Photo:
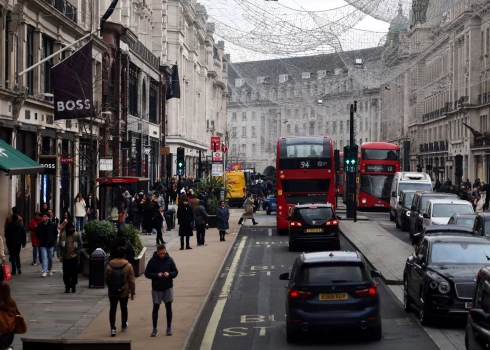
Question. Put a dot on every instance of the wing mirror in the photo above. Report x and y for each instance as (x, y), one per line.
(479, 315)
(375, 273)
(393, 193)
(421, 260)
(339, 217)
(284, 276)
(426, 216)
(400, 202)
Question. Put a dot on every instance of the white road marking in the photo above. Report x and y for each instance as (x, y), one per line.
(207, 342)
(270, 232)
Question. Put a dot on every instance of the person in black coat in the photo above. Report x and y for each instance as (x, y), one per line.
(147, 216)
(158, 220)
(185, 216)
(121, 241)
(15, 237)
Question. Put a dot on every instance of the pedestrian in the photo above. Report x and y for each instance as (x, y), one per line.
(47, 233)
(36, 249)
(201, 220)
(66, 219)
(161, 270)
(8, 220)
(68, 250)
(15, 237)
(120, 281)
(479, 204)
(80, 211)
(122, 241)
(135, 212)
(474, 197)
(223, 215)
(185, 217)
(249, 209)
(91, 207)
(437, 186)
(44, 208)
(8, 316)
(148, 214)
(53, 218)
(159, 225)
(2, 258)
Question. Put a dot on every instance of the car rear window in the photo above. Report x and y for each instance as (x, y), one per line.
(424, 199)
(332, 273)
(466, 222)
(448, 210)
(313, 213)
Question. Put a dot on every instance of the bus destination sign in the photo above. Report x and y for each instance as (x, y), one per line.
(380, 168)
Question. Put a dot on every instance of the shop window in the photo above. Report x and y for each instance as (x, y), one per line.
(30, 59)
(153, 101)
(133, 89)
(47, 51)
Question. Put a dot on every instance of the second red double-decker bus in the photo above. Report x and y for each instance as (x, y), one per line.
(340, 175)
(305, 174)
(378, 164)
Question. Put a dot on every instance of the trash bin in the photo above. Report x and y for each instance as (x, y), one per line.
(97, 268)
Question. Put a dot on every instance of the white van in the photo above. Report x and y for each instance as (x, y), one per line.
(407, 181)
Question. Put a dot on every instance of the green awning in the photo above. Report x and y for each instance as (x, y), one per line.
(14, 162)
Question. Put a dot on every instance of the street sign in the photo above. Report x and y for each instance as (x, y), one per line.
(217, 170)
(106, 164)
(180, 171)
(218, 157)
(67, 160)
(215, 143)
(224, 149)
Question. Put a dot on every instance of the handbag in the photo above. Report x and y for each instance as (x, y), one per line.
(20, 324)
(7, 272)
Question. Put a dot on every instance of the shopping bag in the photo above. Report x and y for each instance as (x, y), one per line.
(7, 272)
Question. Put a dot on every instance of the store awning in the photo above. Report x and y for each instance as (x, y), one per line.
(14, 162)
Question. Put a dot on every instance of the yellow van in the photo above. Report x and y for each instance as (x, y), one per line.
(235, 183)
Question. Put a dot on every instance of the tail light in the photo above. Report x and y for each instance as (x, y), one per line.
(298, 294)
(296, 224)
(368, 292)
(332, 222)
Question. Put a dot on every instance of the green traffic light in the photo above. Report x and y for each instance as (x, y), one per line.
(180, 165)
(353, 161)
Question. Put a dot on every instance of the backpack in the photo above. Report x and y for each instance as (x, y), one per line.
(116, 282)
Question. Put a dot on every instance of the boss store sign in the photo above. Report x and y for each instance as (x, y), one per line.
(49, 162)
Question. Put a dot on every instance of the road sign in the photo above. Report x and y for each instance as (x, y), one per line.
(217, 170)
(215, 143)
(224, 149)
(218, 157)
(180, 171)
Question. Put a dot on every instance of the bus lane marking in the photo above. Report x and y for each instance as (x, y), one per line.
(207, 342)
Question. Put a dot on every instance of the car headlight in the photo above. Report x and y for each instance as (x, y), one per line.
(364, 201)
(408, 213)
(433, 284)
(444, 287)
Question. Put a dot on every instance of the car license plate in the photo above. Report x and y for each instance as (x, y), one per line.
(468, 305)
(334, 296)
(314, 230)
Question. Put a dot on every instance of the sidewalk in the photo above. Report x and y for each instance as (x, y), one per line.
(52, 314)
(383, 250)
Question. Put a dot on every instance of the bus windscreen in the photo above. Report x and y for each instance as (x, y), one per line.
(304, 153)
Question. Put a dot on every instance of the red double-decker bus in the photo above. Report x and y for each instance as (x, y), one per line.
(339, 179)
(378, 164)
(305, 174)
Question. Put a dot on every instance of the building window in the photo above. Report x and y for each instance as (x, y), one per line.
(244, 131)
(253, 148)
(233, 117)
(244, 148)
(341, 127)
(261, 80)
(338, 71)
(288, 129)
(233, 132)
(254, 134)
(254, 117)
(306, 75)
(47, 51)
(133, 89)
(239, 82)
(296, 130)
(30, 59)
(283, 78)
(153, 101)
(321, 74)
(244, 115)
(334, 127)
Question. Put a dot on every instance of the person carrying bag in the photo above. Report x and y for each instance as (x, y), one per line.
(2, 259)
(11, 320)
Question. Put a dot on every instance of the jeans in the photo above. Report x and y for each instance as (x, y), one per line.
(113, 309)
(201, 231)
(47, 258)
(14, 256)
(79, 225)
(70, 272)
(35, 252)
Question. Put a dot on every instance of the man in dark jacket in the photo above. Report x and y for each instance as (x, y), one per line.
(185, 216)
(15, 237)
(47, 233)
(121, 241)
(201, 219)
(158, 221)
(68, 249)
(161, 270)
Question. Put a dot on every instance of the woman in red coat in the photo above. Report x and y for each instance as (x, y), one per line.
(34, 239)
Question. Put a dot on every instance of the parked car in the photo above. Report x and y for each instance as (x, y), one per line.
(439, 277)
(466, 220)
(331, 291)
(439, 211)
(269, 205)
(442, 230)
(313, 224)
(402, 213)
(417, 209)
(403, 181)
(477, 335)
(481, 226)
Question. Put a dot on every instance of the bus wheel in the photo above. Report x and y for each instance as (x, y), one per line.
(282, 232)
(392, 218)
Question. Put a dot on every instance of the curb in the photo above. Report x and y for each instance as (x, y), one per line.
(386, 281)
(198, 317)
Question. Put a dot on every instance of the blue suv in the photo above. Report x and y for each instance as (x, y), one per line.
(269, 205)
(329, 291)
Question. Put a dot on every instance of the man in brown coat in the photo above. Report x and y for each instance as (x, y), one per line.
(120, 280)
(194, 202)
(8, 220)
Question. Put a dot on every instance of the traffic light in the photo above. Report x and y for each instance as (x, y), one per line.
(180, 160)
(459, 171)
(419, 168)
(350, 159)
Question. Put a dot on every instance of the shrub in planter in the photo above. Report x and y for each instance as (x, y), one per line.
(213, 204)
(99, 234)
(133, 236)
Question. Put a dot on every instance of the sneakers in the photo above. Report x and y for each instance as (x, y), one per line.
(19, 272)
(74, 289)
(50, 273)
(34, 263)
(154, 333)
(256, 223)
(113, 332)
(181, 248)
(44, 274)
(188, 248)
(125, 327)
(169, 331)
(67, 290)
(205, 244)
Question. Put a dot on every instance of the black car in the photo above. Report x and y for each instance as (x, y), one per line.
(481, 226)
(313, 224)
(331, 291)
(466, 220)
(402, 212)
(442, 230)
(417, 209)
(439, 277)
(477, 335)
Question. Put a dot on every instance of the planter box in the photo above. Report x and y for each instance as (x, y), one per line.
(84, 263)
(213, 221)
(140, 262)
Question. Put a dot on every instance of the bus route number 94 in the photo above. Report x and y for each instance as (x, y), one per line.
(304, 164)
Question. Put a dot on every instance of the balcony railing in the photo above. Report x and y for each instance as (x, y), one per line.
(480, 143)
(435, 146)
(63, 6)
